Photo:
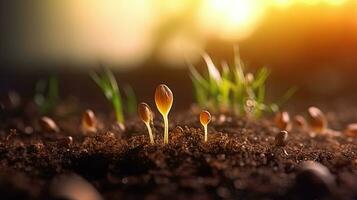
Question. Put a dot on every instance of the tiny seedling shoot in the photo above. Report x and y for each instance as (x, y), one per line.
(89, 122)
(164, 99)
(317, 119)
(145, 114)
(233, 89)
(107, 82)
(205, 119)
(47, 94)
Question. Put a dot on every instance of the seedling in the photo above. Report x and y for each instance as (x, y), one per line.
(145, 114)
(48, 125)
(89, 122)
(107, 82)
(282, 120)
(281, 139)
(317, 120)
(205, 119)
(66, 141)
(164, 100)
(46, 96)
(233, 89)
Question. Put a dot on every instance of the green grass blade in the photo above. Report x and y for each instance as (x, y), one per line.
(261, 77)
(212, 69)
(197, 76)
(288, 94)
(108, 84)
(47, 94)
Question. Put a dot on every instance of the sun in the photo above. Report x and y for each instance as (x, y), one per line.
(231, 19)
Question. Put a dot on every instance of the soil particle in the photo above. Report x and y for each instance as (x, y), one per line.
(240, 160)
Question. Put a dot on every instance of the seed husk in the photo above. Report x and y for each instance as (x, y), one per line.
(164, 100)
(145, 113)
(282, 120)
(281, 138)
(351, 130)
(89, 122)
(48, 125)
(205, 119)
(317, 120)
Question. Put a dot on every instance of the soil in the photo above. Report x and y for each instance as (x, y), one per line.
(240, 160)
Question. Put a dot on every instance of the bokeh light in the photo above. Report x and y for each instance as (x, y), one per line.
(127, 33)
(230, 19)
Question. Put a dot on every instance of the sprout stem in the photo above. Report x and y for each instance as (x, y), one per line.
(166, 131)
(205, 129)
(150, 132)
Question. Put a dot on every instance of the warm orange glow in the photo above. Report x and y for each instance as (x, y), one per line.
(127, 33)
(230, 19)
(286, 3)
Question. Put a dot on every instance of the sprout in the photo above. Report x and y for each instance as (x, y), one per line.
(89, 122)
(48, 125)
(66, 141)
(282, 121)
(317, 119)
(351, 130)
(47, 94)
(231, 88)
(205, 119)
(163, 100)
(145, 114)
(281, 139)
(107, 82)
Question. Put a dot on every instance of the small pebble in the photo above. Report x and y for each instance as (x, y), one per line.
(74, 187)
(223, 192)
(48, 125)
(317, 120)
(89, 122)
(28, 130)
(351, 130)
(314, 180)
(222, 119)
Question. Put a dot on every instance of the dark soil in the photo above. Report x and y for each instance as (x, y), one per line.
(239, 161)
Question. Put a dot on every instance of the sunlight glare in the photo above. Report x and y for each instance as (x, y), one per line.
(230, 19)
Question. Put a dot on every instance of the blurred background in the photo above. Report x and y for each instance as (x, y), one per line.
(311, 44)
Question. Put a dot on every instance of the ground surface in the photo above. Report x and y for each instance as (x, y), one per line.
(239, 161)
